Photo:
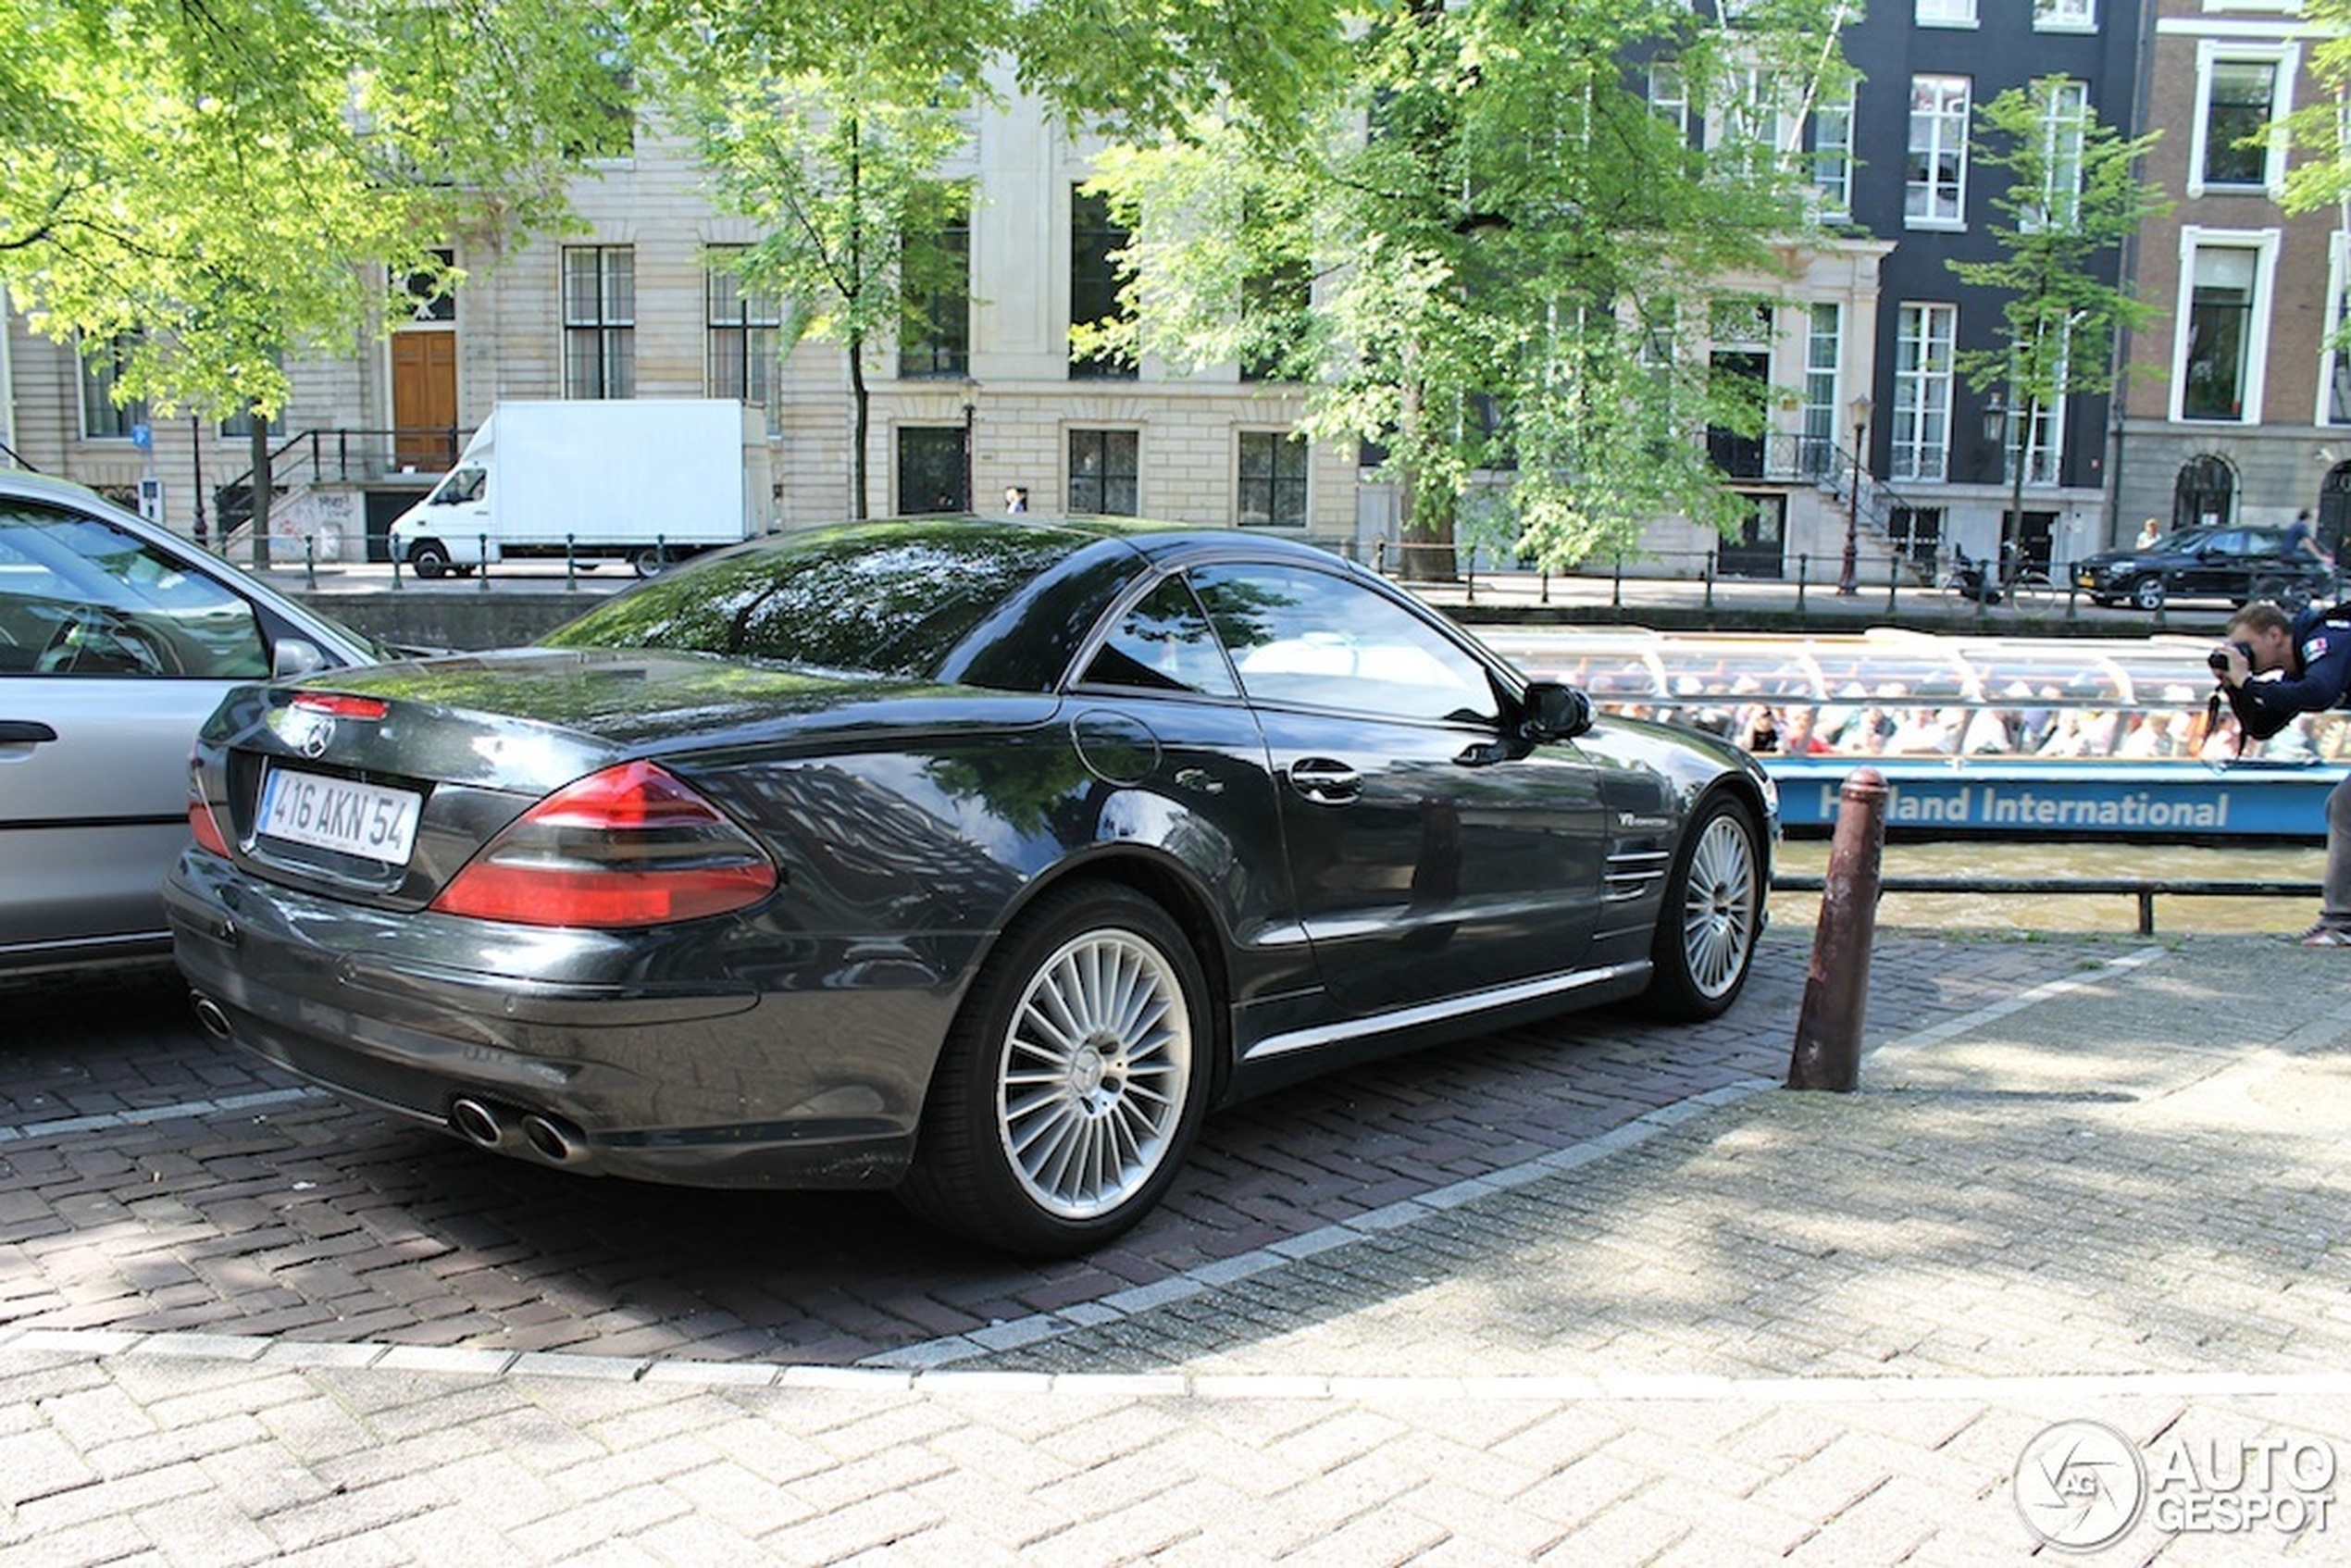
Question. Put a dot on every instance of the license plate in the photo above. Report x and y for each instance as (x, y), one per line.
(367, 820)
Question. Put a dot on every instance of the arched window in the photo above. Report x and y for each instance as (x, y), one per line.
(2205, 494)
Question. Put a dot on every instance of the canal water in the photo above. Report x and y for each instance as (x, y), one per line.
(2175, 913)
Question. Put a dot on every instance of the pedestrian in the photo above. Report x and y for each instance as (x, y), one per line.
(1015, 497)
(2273, 667)
(2148, 534)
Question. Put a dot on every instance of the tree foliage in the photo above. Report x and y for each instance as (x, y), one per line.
(221, 187)
(1500, 234)
(2320, 129)
(844, 170)
(2073, 195)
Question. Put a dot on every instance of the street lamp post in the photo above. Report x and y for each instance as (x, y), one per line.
(2009, 428)
(1848, 582)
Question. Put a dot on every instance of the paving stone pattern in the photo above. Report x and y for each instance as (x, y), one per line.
(2088, 1179)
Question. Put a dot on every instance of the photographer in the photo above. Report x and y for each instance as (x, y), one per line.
(2273, 667)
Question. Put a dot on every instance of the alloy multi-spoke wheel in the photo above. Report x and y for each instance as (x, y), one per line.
(1075, 1079)
(1714, 914)
(1090, 1085)
(1719, 906)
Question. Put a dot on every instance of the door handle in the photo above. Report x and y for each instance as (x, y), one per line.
(24, 732)
(1326, 782)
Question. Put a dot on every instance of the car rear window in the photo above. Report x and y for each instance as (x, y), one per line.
(895, 602)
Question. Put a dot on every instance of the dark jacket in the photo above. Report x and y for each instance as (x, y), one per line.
(2319, 678)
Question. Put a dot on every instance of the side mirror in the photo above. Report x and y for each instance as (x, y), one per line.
(294, 657)
(1554, 710)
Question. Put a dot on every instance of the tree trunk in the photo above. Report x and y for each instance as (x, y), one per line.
(861, 414)
(262, 487)
(1425, 522)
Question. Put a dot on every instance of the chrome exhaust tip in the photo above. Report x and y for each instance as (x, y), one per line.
(211, 1015)
(552, 1140)
(476, 1122)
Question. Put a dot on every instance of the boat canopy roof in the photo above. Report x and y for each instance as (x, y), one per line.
(1639, 664)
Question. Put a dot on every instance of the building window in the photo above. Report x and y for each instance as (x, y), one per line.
(2217, 357)
(1669, 95)
(935, 339)
(1936, 192)
(1273, 491)
(1104, 465)
(1094, 239)
(431, 295)
(2334, 362)
(1946, 13)
(1822, 350)
(2065, 16)
(1833, 155)
(1917, 532)
(2233, 147)
(2043, 443)
(1920, 430)
(740, 327)
(600, 321)
(101, 366)
(2065, 122)
(2205, 494)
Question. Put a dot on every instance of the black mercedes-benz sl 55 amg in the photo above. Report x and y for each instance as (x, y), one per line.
(975, 858)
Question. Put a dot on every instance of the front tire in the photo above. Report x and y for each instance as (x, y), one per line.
(1714, 914)
(2147, 594)
(1073, 1081)
(430, 558)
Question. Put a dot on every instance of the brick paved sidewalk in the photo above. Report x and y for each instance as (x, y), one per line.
(1744, 1326)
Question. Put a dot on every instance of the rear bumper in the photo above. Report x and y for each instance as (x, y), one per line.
(655, 1068)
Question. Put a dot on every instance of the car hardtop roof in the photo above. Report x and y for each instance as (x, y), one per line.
(24, 484)
(1149, 537)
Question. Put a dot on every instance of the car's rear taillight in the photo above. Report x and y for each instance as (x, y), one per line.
(201, 822)
(629, 846)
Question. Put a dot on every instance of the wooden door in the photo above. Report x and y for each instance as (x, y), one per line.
(424, 400)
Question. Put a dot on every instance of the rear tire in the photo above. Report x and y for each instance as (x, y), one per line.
(1073, 1081)
(653, 561)
(1713, 914)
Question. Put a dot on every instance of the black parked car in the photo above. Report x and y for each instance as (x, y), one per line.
(973, 857)
(2237, 565)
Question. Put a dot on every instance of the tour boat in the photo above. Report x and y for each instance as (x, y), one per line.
(1976, 735)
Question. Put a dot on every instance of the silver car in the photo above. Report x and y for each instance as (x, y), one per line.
(117, 639)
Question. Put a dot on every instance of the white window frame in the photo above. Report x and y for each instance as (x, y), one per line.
(2212, 51)
(2065, 16)
(2263, 243)
(1918, 450)
(1669, 95)
(2333, 362)
(1944, 12)
(1819, 427)
(2063, 121)
(1942, 121)
(1836, 150)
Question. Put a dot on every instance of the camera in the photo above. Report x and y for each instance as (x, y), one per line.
(2219, 658)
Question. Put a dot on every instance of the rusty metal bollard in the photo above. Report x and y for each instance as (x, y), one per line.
(1828, 1028)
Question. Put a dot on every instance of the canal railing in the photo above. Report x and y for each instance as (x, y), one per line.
(2145, 889)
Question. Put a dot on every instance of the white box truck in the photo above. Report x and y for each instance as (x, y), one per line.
(648, 481)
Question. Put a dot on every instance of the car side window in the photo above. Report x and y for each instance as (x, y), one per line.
(1163, 643)
(1317, 640)
(81, 597)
